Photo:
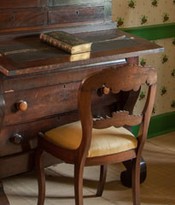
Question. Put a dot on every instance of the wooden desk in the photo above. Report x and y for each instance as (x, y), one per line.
(39, 83)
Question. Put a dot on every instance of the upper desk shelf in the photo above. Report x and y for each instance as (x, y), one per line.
(21, 22)
(19, 16)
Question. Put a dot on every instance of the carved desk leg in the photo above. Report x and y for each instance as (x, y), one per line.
(3, 198)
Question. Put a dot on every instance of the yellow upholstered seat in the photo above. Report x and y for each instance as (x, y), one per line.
(104, 141)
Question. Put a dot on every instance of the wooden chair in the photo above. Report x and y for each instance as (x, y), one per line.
(101, 140)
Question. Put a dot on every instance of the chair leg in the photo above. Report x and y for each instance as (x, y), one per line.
(136, 182)
(78, 184)
(40, 176)
(102, 180)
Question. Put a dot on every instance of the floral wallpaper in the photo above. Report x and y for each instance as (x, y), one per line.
(137, 13)
(132, 13)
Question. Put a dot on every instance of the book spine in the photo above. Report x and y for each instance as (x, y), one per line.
(56, 43)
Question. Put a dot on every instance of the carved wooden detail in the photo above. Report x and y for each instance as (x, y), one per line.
(118, 119)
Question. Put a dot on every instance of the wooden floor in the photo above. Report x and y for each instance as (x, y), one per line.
(158, 189)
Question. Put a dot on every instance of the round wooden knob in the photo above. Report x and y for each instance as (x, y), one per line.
(106, 90)
(22, 105)
(103, 91)
(16, 139)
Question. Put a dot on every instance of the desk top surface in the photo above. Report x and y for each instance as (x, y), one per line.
(27, 54)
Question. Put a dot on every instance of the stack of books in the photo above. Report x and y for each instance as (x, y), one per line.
(78, 48)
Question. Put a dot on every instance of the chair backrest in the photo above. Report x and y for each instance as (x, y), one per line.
(109, 81)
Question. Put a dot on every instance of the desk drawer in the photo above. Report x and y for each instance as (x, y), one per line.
(22, 18)
(72, 14)
(22, 137)
(41, 102)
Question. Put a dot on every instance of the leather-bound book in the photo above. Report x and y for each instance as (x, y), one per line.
(66, 41)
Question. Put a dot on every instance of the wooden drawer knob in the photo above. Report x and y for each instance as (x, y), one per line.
(22, 105)
(106, 90)
(103, 91)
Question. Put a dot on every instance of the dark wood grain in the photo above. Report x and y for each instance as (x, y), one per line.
(21, 4)
(28, 54)
(36, 15)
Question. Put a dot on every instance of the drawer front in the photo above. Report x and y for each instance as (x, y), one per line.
(41, 102)
(61, 15)
(22, 137)
(22, 18)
